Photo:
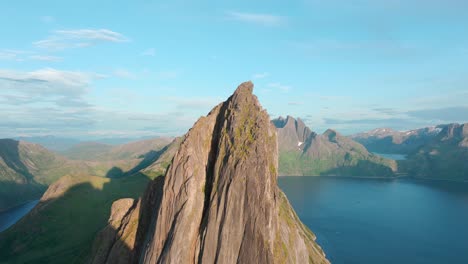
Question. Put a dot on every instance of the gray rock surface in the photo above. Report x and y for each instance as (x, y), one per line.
(221, 203)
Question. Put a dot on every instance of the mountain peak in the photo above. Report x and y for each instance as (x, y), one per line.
(244, 89)
(220, 202)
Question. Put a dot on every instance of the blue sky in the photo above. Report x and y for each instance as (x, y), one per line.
(128, 69)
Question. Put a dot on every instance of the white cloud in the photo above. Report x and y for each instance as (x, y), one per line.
(55, 102)
(149, 52)
(22, 55)
(44, 84)
(78, 38)
(45, 58)
(260, 75)
(279, 86)
(257, 18)
(9, 54)
(45, 100)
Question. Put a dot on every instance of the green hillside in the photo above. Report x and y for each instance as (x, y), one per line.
(62, 227)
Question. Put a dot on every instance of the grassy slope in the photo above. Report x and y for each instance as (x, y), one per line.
(294, 163)
(26, 169)
(76, 215)
(62, 230)
(93, 151)
(445, 160)
(87, 151)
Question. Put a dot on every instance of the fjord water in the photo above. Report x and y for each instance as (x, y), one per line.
(391, 156)
(382, 221)
(13, 215)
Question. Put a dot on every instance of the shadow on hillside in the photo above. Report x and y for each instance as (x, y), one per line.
(148, 159)
(9, 151)
(16, 191)
(363, 168)
(73, 225)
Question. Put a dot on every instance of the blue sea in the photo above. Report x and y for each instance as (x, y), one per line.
(369, 221)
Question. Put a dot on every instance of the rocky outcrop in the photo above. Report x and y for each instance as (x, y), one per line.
(115, 243)
(130, 221)
(220, 202)
(453, 132)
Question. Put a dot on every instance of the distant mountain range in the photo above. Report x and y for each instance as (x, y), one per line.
(97, 151)
(443, 157)
(26, 169)
(304, 152)
(60, 144)
(387, 140)
(438, 152)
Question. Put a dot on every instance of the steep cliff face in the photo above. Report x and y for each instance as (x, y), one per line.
(292, 133)
(220, 201)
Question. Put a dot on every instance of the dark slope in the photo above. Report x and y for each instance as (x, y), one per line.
(444, 157)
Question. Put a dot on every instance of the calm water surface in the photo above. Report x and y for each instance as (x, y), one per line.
(13, 215)
(391, 156)
(383, 221)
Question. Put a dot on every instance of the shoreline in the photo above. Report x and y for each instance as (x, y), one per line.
(20, 204)
(379, 177)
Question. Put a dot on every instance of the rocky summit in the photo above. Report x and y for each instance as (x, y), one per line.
(219, 201)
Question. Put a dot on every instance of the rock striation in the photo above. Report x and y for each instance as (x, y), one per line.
(220, 202)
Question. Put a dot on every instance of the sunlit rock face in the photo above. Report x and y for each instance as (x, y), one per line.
(220, 202)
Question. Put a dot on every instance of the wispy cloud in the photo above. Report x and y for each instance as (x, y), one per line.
(257, 18)
(10, 54)
(260, 75)
(45, 82)
(446, 114)
(23, 55)
(387, 110)
(295, 103)
(149, 52)
(78, 38)
(279, 86)
(45, 99)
